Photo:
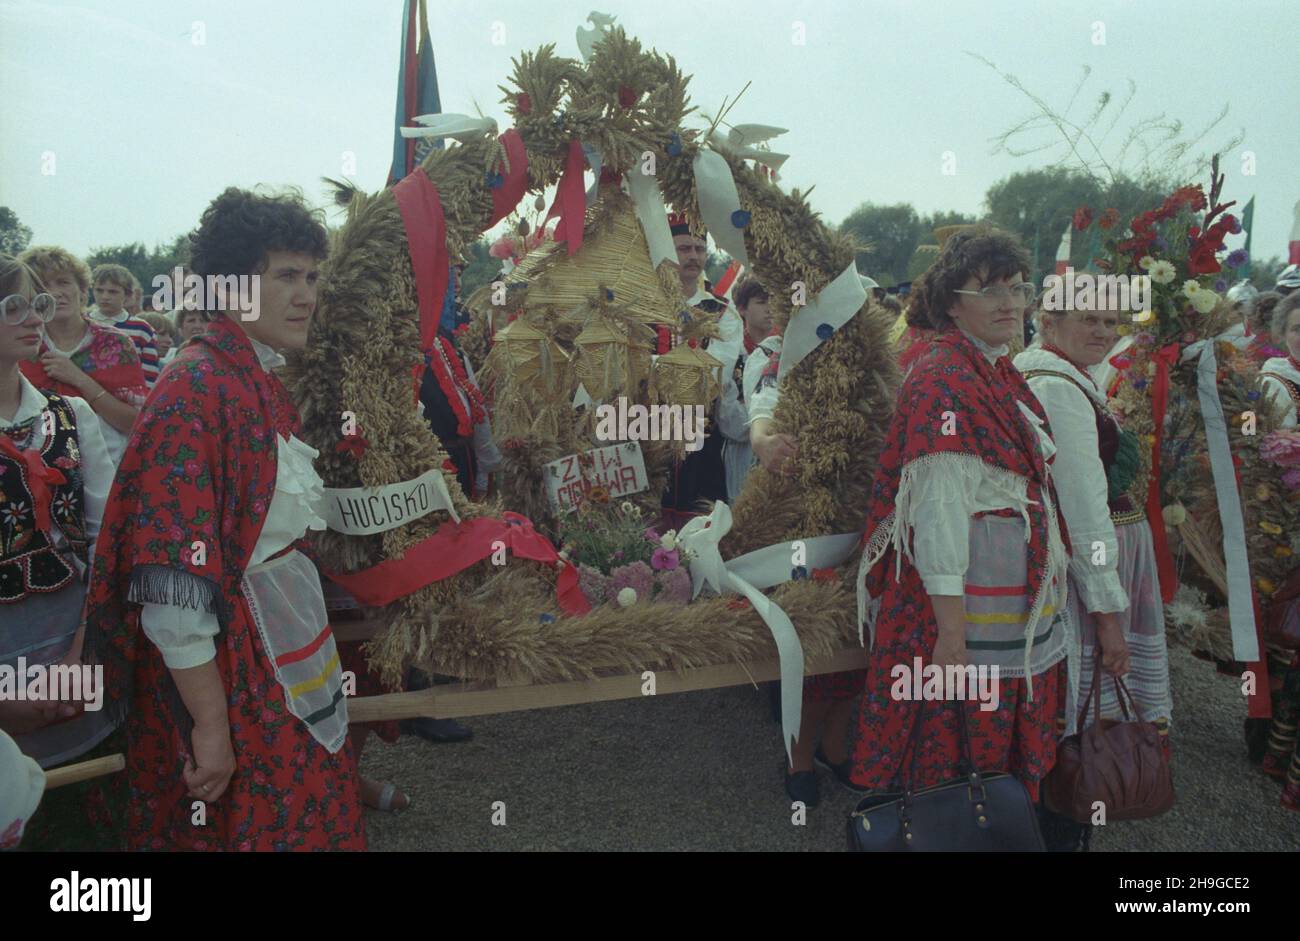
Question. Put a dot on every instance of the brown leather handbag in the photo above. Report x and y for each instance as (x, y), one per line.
(1120, 764)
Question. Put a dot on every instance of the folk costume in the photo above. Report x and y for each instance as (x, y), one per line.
(55, 474)
(1096, 462)
(109, 357)
(141, 334)
(963, 504)
(1280, 378)
(200, 561)
(453, 405)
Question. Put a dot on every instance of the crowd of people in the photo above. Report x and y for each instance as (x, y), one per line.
(155, 496)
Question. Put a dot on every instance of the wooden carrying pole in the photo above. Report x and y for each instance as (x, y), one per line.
(451, 702)
(84, 770)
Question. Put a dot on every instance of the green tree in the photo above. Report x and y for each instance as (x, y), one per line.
(482, 268)
(14, 236)
(141, 262)
(1263, 274)
(887, 236)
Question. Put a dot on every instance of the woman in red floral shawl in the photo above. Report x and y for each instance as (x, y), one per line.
(965, 558)
(210, 623)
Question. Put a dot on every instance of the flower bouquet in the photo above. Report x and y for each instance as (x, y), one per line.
(620, 560)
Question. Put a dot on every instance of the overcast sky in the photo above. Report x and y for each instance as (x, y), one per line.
(145, 126)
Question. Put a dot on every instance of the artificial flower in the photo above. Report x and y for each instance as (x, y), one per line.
(1162, 272)
(626, 597)
(1281, 447)
(662, 560)
(1109, 219)
(1191, 286)
(1174, 515)
(669, 539)
(1204, 301)
(1145, 262)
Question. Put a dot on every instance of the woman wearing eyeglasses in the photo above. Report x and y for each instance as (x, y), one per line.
(1114, 591)
(84, 359)
(54, 478)
(965, 563)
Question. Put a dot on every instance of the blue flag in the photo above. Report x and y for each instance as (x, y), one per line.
(417, 89)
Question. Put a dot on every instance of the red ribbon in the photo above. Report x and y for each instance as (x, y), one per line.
(40, 478)
(426, 237)
(1165, 358)
(454, 548)
(506, 196)
(570, 200)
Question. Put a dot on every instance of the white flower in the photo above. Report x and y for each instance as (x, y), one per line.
(630, 508)
(1145, 262)
(1162, 272)
(669, 540)
(1204, 301)
(1190, 287)
(626, 597)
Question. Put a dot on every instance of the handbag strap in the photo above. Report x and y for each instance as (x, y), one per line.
(1121, 693)
(963, 737)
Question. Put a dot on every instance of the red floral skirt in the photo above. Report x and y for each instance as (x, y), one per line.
(1018, 737)
(287, 793)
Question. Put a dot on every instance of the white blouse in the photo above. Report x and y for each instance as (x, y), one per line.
(1280, 365)
(1080, 477)
(946, 490)
(97, 465)
(184, 635)
(21, 784)
(760, 404)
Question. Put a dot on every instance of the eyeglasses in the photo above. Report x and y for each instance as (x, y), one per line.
(15, 307)
(1022, 294)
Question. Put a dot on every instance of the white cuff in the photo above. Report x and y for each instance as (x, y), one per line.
(182, 635)
(1100, 591)
(944, 584)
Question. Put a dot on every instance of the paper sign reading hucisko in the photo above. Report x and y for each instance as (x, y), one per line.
(619, 468)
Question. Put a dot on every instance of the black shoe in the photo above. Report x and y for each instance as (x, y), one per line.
(841, 771)
(802, 786)
(437, 731)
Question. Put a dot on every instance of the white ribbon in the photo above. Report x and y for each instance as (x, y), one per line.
(716, 190)
(459, 127)
(1241, 608)
(834, 306)
(740, 142)
(653, 216)
(362, 511)
(751, 572)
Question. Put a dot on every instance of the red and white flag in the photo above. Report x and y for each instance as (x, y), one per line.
(1293, 243)
(1063, 251)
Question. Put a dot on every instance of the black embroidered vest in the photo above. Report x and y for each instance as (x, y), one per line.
(28, 561)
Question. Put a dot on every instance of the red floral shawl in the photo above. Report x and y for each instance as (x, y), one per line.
(200, 468)
(953, 376)
(110, 358)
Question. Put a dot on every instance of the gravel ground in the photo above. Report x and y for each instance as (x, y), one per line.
(702, 771)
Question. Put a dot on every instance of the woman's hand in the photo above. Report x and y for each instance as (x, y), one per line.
(215, 758)
(62, 369)
(1114, 649)
(949, 650)
(775, 451)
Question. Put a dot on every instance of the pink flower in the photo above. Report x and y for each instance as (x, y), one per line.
(651, 535)
(662, 560)
(1292, 478)
(1282, 448)
(674, 586)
